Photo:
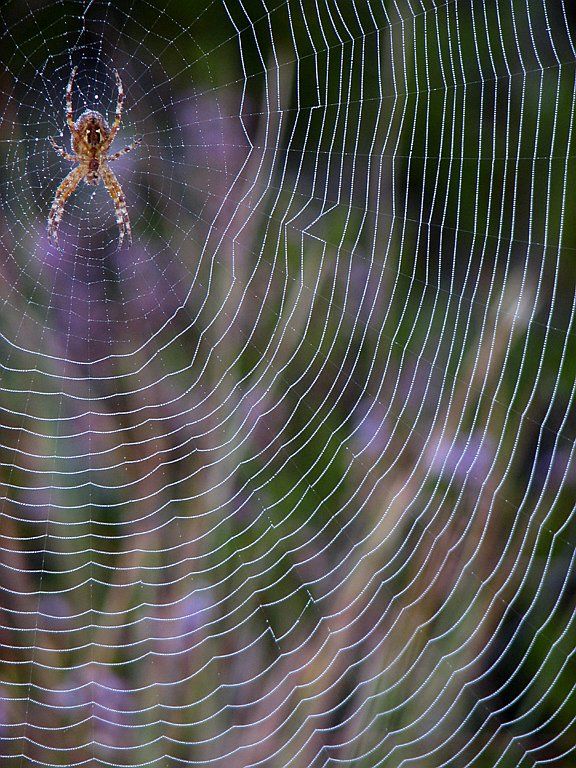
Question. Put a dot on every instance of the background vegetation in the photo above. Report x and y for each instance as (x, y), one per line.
(291, 480)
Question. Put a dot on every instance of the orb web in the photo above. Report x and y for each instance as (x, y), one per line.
(289, 480)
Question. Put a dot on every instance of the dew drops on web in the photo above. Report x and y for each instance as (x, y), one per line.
(288, 476)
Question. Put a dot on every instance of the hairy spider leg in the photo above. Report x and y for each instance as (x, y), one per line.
(63, 192)
(115, 191)
(61, 151)
(125, 151)
(118, 116)
(69, 108)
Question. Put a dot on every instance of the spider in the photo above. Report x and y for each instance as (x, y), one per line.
(91, 140)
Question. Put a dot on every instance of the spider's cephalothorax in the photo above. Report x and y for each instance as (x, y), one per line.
(91, 140)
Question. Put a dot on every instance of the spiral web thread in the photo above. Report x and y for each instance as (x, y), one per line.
(290, 481)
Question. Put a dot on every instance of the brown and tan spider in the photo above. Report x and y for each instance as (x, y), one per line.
(91, 140)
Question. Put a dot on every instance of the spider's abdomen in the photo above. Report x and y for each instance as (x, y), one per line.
(90, 132)
(93, 135)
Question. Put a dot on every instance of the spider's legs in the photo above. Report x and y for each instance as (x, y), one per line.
(69, 108)
(115, 191)
(65, 155)
(118, 116)
(62, 194)
(125, 151)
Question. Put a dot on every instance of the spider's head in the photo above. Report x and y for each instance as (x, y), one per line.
(92, 128)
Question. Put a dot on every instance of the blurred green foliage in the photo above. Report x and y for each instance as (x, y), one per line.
(345, 519)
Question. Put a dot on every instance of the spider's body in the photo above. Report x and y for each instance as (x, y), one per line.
(90, 132)
(91, 140)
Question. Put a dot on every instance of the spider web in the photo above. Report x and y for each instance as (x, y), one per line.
(290, 481)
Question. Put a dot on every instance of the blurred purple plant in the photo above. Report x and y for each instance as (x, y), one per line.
(177, 627)
(105, 698)
(463, 459)
(216, 145)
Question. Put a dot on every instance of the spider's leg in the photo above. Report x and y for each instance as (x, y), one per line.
(62, 152)
(125, 151)
(62, 194)
(115, 191)
(118, 116)
(69, 108)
